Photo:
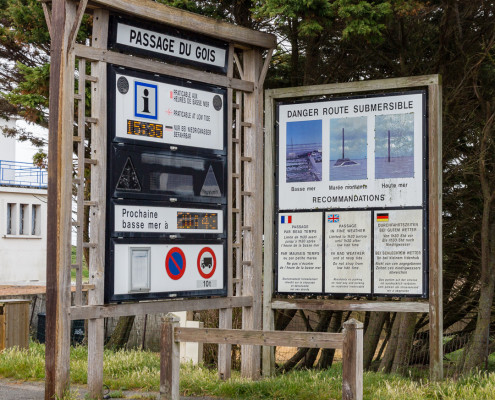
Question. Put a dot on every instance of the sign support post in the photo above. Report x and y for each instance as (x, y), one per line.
(63, 19)
(97, 212)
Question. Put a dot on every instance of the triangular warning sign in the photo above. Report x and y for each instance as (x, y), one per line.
(128, 178)
(210, 187)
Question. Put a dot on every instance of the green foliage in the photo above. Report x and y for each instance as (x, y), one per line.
(363, 18)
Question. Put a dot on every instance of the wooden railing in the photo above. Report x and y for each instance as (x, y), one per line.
(350, 341)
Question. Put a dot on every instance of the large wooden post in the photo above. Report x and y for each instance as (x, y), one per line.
(435, 230)
(97, 212)
(268, 366)
(253, 206)
(59, 200)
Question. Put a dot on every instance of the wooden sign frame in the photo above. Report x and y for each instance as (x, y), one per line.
(249, 57)
(434, 168)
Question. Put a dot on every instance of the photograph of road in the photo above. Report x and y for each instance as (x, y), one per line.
(394, 146)
(303, 155)
(348, 146)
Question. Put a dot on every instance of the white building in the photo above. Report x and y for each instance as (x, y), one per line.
(23, 199)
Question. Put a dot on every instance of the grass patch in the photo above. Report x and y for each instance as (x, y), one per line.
(125, 370)
(85, 271)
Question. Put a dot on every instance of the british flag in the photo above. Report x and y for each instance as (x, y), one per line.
(333, 218)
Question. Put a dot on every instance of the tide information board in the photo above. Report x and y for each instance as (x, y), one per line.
(354, 171)
(166, 187)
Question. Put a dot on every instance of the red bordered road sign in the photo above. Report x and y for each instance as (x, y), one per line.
(207, 262)
(175, 263)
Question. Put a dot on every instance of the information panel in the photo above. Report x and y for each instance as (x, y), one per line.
(148, 269)
(165, 110)
(154, 219)
(399, 252)
(348, 252)
(352, 153)
(167, 43)
(352, 198)
(300, 252)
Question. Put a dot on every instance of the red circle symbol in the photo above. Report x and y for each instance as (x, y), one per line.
(175, 263)
(207, 263)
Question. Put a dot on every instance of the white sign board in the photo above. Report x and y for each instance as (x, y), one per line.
(398, 264)
(163, 44)
(168, 268)
(144, 219)
(348, 252)
(351, 153)
(300, 252)
(159, 112)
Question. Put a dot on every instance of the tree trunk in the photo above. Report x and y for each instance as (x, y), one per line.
(372, 336)
(477, 349)
(404, 342)
(388, 358)
(283, 318)
(121, 333)
(302, 352)
(327, 355)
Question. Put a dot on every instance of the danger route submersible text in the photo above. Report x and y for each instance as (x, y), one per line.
(355, 109)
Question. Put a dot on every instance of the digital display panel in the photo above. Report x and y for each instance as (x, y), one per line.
(145, 129)
(197, 220)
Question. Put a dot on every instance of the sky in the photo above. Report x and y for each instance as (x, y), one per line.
(355, 135)
(24, 150)
(304, 132)
(401, 128)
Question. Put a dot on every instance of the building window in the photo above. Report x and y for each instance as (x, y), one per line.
(36, 220)
(23, 219)
(10, 218)
(140, 268)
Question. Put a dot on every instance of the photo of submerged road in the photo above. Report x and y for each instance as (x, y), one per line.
(303, 151)
(394, 146)
(348, 146)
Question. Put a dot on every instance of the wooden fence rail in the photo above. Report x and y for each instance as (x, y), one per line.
(350, 341)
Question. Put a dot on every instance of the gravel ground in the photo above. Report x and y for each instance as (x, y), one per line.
(18, 390)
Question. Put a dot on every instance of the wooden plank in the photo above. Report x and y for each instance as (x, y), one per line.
(169, 359)
(81, 127)
(189, 21)
(98, 212)
(435, 230)
(225, 314)
(322, 340)
(61, 106)
(348, 87)
(157, 67)
(268, 353)
(157, 307)
(253, 239)
(238, 185)
(350, 305)
(352, 361)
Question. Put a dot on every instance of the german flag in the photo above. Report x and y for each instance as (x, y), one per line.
(382, 217)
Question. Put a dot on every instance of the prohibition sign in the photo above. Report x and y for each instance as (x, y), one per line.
(207, 262)
(175, 263)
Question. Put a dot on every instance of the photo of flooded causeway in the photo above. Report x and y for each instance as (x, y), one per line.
(303, 151)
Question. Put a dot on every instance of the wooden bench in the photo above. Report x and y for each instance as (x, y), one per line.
(350, 341)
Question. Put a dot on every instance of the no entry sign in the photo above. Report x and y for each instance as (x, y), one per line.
(175, 263)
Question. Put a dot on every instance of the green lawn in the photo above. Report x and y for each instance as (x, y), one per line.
(125, 370)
